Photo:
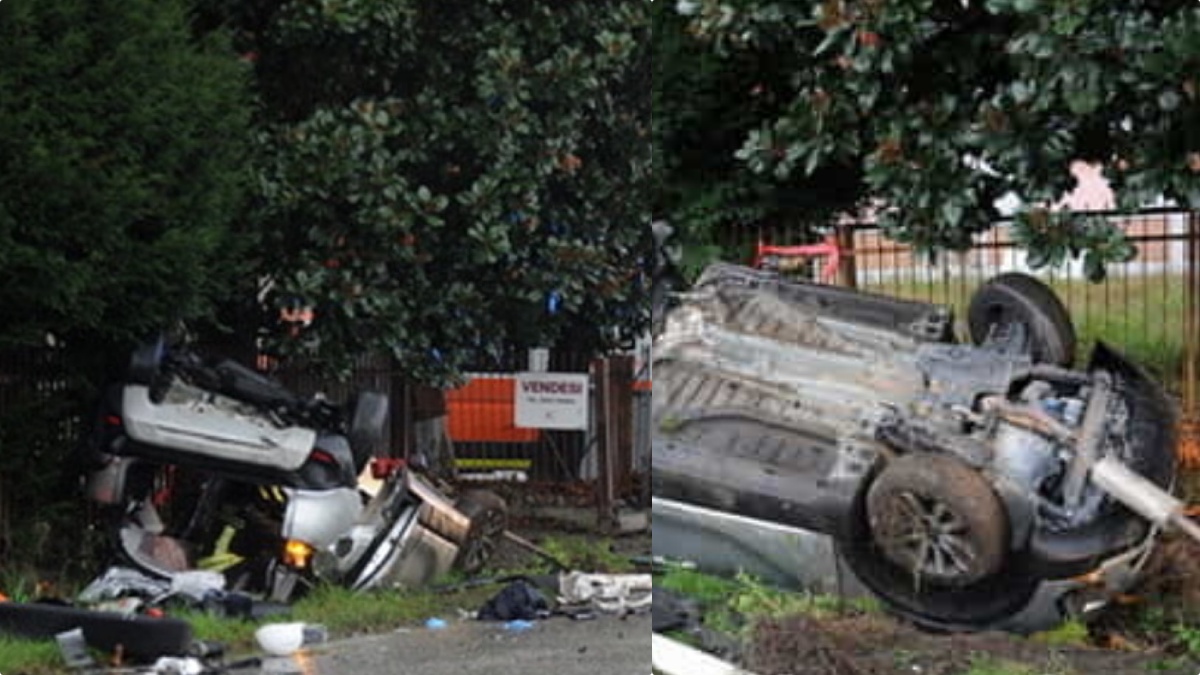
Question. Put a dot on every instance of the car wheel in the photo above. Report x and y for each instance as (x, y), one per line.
(1019, 299)
(939, 498)
(937, 518)
(489, 520)
(368, 424)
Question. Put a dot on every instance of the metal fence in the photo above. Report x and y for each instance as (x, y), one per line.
(1142, 306)
(478, 417)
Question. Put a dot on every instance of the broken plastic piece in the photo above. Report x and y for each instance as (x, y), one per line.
(610, 593)
(74, 650)
(170, 665)
(120, 582)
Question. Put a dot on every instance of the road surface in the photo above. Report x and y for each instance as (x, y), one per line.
(559, 646)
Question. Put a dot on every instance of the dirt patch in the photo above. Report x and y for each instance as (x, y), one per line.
(1136, 637)
(873, 645)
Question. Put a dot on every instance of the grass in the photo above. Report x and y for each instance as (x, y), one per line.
(734, 606)
(1002, 667)
(1070, 634)
(587, 553)
(33, 658)
(343, 612)
(1143, 316)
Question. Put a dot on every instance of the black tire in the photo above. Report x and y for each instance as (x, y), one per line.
(369, 413)
(1016, 298)
(939, 519)
(489, 521)
(995, 590)
(139, 637)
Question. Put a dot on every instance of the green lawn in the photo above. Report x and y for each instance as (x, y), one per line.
(345, 612)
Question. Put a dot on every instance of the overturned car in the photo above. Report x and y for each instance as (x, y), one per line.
(967, 486)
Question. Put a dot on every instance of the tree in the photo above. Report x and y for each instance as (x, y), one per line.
(944, 106)
(123, 139)
(122, 145)
(704, 102)
(444, 180)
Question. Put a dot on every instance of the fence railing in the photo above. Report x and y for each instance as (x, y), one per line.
(478, 417)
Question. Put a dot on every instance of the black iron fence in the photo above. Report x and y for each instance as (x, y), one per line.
(474, 421)
(1142, 306)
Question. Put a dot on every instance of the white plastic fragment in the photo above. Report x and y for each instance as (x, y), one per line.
(610, 593)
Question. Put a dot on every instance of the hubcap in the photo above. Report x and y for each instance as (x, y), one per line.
(481, 547)
(923, 535)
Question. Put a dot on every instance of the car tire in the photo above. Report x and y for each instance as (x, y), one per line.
(489, 521)
(938, 518)
(1022, 299)
(369, 413)
(996, 590)
(138, 637)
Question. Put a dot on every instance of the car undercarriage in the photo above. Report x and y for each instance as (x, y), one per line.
(962, 484)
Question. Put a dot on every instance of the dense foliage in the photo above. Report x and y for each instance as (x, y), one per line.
(704, 103)
(446, 180)
(122, 155)
(123, 140)
(942, 107)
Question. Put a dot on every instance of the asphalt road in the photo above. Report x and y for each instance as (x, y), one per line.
(605, 646)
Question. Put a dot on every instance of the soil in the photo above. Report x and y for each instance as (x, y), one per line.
(875, 645)
(1133, 638)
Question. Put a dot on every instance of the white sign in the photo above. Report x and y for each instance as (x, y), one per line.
(552, 401)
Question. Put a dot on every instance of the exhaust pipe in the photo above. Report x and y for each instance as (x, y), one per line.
(1143, 497)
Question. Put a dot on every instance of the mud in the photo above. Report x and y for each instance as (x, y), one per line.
(1134, 637)
(872, 645)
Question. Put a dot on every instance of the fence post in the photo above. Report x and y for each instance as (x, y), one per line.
(401, 432)
(606, 484)
(1189, 431)
(847, 266)
(614, 424)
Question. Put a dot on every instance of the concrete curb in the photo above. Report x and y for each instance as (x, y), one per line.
(675, 658)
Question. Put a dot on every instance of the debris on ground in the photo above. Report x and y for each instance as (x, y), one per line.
(285, 639)
(673, 612)
(119, 584)
(607, 593)
(520, 600)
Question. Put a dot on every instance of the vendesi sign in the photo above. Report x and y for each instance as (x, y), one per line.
(552, 401)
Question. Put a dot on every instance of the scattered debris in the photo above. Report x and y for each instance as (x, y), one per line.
(284, 639)
(138, 637)
(121, 583)
(608, 593)
(673, 612)
(520, 600)
(74, 649)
